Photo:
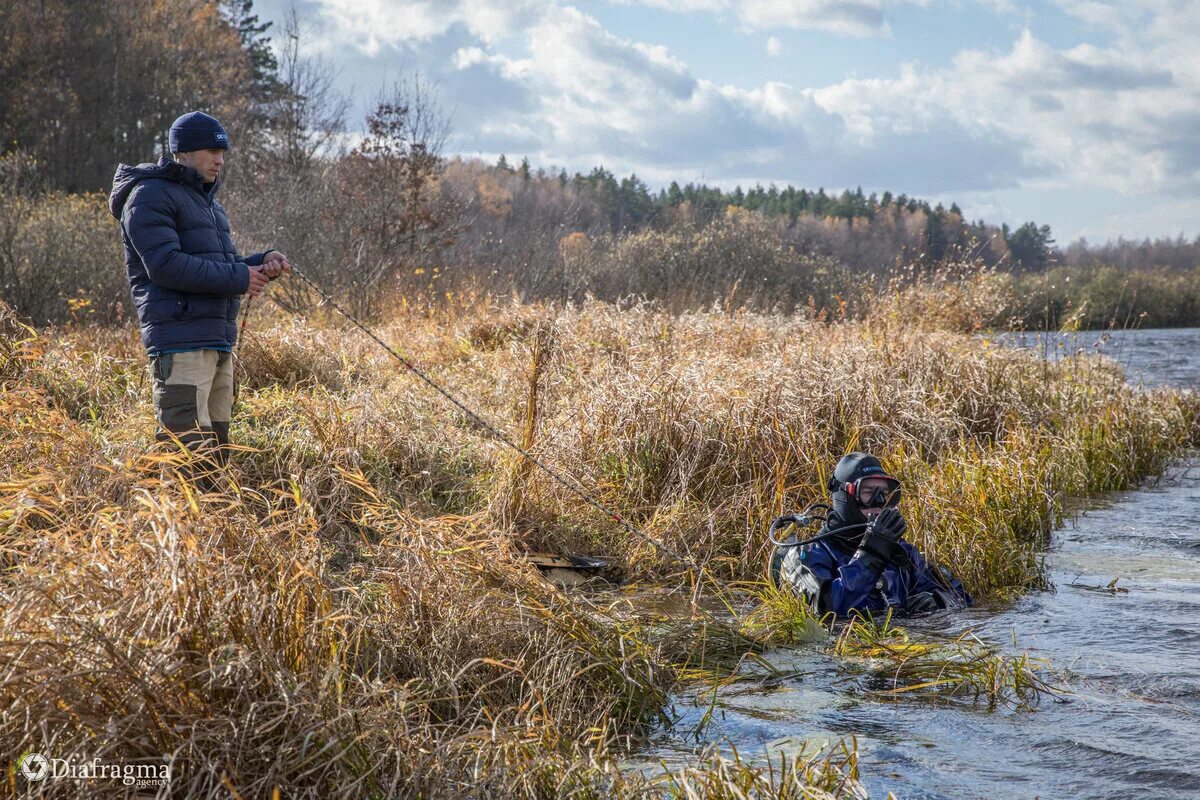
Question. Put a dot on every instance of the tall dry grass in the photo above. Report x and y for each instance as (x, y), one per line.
(354, 616)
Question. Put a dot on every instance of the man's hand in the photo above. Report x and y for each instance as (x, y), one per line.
(258, 282)
(882, 539)
(275, 264)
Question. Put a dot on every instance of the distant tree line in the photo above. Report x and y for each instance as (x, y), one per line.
(857, 228)
(873, 233)
(1178, 253)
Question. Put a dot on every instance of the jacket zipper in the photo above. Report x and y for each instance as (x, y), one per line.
(212, 212)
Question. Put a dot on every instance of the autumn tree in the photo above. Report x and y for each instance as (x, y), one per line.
(84, 85)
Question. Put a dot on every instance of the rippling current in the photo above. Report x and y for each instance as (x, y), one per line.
(1131, 655)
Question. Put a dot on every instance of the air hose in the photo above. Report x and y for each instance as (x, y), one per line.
(802, 520)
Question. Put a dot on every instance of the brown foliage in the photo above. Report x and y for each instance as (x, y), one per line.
(159, 59)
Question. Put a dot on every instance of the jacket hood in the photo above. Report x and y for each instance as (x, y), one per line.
(127, 177)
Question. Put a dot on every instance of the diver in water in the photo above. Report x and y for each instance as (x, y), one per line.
(862, 562)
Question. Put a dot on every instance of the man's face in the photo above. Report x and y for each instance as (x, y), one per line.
(207, 162)
(872, 488)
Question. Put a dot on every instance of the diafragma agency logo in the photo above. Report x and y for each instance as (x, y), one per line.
(35, 766)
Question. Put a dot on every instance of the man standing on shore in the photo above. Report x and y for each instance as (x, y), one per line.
(187, 281)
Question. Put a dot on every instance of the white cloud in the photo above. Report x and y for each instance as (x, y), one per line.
(1086, 115)
(554, 82)
(850, 17)
(466, 57)
(862, 18)
(1000, 7)
(1100, 14)
(681, 6)
(370, 25)
(603, 94)
(601, 98)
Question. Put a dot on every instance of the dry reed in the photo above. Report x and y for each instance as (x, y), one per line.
(354, 615)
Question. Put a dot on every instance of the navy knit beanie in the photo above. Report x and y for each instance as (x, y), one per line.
(196, 130)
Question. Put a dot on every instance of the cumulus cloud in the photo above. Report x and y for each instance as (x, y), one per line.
(371, 25)
(603, 98)
(1103, 117)
(774, 47)
(1101, 14)
(863, 18)
(999, 6)
(850, 17)
(545, 79)
(1033, 65)
(600, 95)
(681, 6)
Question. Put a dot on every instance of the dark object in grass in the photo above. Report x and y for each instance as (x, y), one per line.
(568, 570)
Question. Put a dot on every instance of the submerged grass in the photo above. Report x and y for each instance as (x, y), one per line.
(901, 663)
(355, 616)
(808, 773)
(962, 666)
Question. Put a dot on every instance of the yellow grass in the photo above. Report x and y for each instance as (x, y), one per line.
(353, 616)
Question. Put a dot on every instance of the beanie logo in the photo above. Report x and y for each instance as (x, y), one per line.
(221, 137)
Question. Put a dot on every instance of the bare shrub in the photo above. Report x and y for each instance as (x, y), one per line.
(60, 254)
(734, 262)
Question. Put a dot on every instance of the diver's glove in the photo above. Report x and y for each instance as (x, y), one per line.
(882, 539)
(921, 603)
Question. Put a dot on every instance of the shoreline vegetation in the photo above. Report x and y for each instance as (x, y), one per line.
(732, 260)
(355, 614)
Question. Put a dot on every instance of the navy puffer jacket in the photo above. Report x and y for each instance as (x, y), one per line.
(185, 276)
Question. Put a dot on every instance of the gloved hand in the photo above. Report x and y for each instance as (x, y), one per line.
(921, 603)
(882, 540)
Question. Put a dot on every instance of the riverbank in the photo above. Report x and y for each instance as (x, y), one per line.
(355, 614)
(1117, 633)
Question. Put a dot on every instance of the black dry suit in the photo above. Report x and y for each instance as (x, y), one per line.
(835, 575)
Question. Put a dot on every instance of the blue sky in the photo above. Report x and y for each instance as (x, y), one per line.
(1083, 114)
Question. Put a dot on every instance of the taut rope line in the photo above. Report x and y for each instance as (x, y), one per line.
(570, 484)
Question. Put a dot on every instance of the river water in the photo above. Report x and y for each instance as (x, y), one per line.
(1131, 656)
(1162, 357)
